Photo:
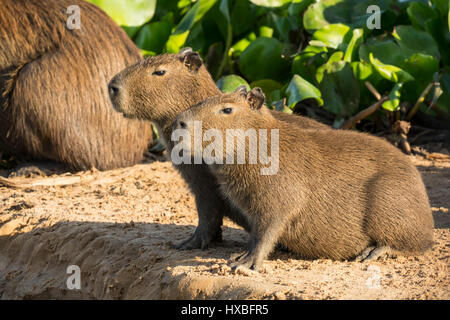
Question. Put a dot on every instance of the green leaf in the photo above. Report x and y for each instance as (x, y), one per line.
(394, 96)
(419, 13)
(413, 40)
(361, 69)
(128, 13)
(242, 17)
(263, 59)
(352, 13)
(228, 34)
(279, 105)
(181, 32)
(299, 89)
(327, 67)
(356, 40)
(239, 47)
(231, 82)
(266, 85)
(442, 5)
(390, 72)
(265, 31)
(340, 89)
(422, 67)
(386, 51)
(153, 36)
(270, 3)
(331, 36)
(306, 63)
(444, 100)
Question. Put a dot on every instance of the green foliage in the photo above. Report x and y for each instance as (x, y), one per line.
(295, 50)
(128, 13)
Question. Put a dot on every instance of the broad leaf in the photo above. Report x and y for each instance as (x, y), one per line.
(231, 82)
(263, 59)
(128, 13)
(352, 13)
(331, 36)
(353, 46)
(299, 89)
(270, 3)
(153, 36)
(181, 32)
(390, 72)
(394, 98)
(340, 90)
(266, 85)
(416, 41)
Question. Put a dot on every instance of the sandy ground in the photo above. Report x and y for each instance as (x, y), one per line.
(119, 233)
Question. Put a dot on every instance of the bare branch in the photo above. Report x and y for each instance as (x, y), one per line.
(350, 123)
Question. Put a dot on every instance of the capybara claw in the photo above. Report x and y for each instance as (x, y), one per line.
(194, 242)
(373, 253)
(235, 257)
(246, 261)
(364, 254)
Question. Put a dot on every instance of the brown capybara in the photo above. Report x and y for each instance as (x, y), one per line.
(54, 101)
(330, 194)
(160, 88)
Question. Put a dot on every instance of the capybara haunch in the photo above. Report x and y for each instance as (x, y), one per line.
(332, 194)
(160, 88)
(54, 101)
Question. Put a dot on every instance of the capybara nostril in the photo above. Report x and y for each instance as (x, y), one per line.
(113, 88)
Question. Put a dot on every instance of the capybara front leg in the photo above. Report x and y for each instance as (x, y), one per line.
(262, 241)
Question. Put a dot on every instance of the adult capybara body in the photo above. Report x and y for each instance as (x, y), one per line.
(336, 194)
(54, 100)
(158, 89)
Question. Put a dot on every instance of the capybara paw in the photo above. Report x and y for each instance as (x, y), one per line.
(235, 257)
(364, 254)
(245, 261)
(374, 253)
(194, 242)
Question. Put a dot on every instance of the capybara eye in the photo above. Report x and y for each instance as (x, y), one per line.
(227, 110)
(159, 72)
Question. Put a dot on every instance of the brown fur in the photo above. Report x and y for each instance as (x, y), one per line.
(336, 192)
(54, 100)
(141, 93)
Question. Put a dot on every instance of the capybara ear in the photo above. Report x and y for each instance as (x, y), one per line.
(191, 59)
(242, 91)
(255, 98)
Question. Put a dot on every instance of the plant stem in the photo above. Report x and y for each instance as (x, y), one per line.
(419, 101)
(363, 114)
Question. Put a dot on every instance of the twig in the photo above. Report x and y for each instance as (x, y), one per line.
(420, 101)
(363, 114)
(372, 89)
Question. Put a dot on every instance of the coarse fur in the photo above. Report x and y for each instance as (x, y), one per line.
(158, 89)
(54, 101)
(337, 194)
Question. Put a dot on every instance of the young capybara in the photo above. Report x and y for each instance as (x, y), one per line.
(160, 88)
(331, 194)
(54, 101)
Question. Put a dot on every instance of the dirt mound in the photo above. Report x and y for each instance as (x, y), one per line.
(119, 232)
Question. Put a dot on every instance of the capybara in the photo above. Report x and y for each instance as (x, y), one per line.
(333, 194)
(54, 101)
(160, 88)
